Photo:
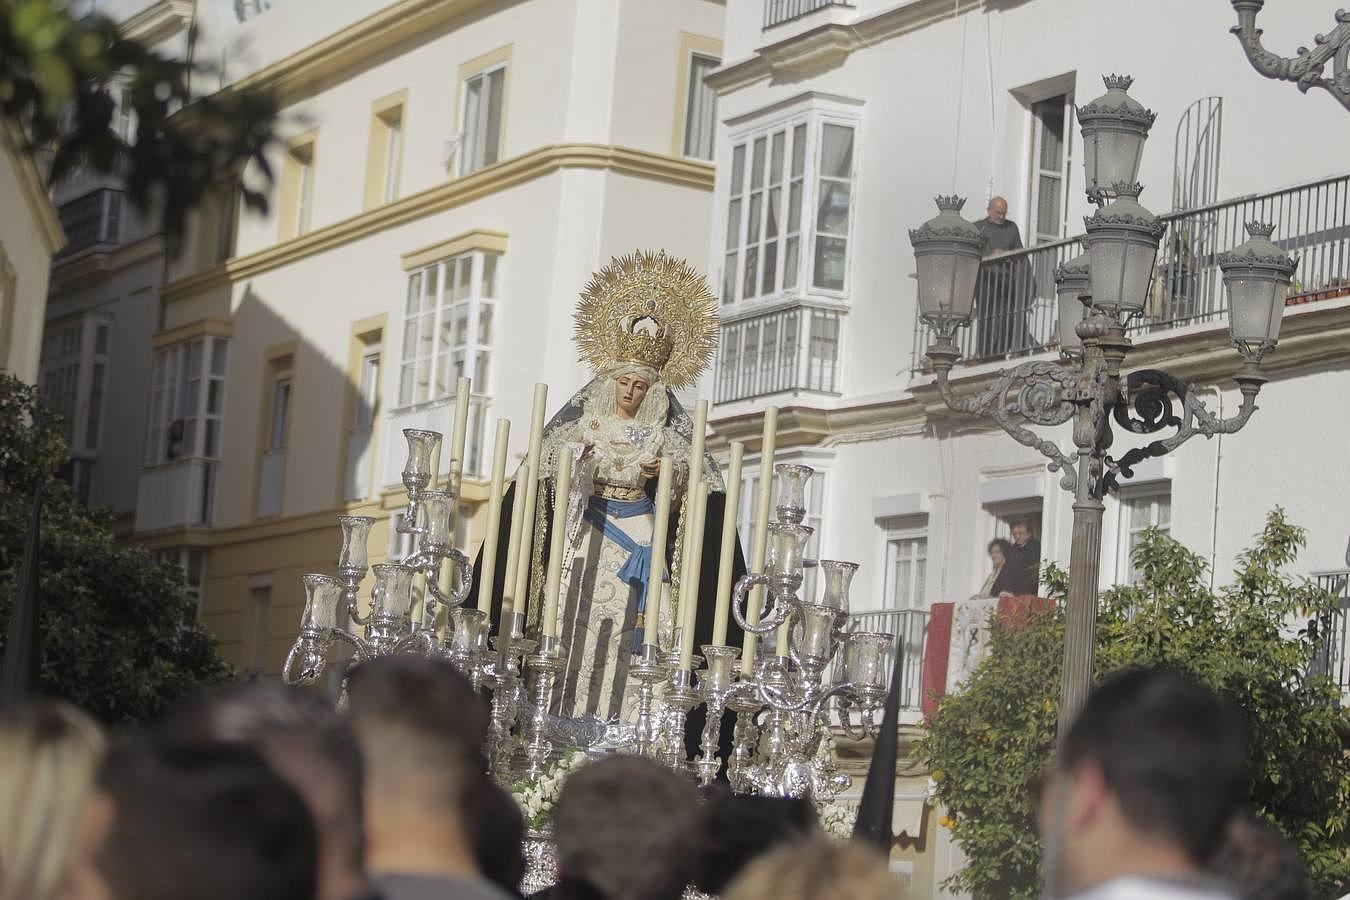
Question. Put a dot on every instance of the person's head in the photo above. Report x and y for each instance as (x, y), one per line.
(999, 551)
(209, 819)
(49, 752)
(307, 744)
(740, 829)
(817, 869)
(1021, 532)
(1144, 781)
(998, 210)
(498, 834)
(627, 828)
(630, 389)
(421, 729)
(1258, 862)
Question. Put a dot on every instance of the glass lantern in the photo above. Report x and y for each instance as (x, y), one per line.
(1256, 277)
(947, 254)
(838, 576)
(422, 446)
(1122, 240)
(392, 594)
(323, 594)
(792, 479)
(355, 536)
(787, 548)
(438, 508)
(1114, 128)
(1072, 281)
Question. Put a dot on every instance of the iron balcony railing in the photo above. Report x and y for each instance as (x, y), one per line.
(1332, 635)
(776, 12)
(910, 626)
(1015, 308)
(784, 349)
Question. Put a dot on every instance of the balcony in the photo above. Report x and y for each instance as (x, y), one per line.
(911, 626)
(776, 12)
(779, 350)
(1015, 309)
(1332, 633)
(95, 218)
(435, 415)
(176, 494)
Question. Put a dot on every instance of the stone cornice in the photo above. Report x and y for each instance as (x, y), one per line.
(35, 195)
(1312, 336)
(84, 268)
(452, 193)
(828, 45)
(352, 47)
(158, 22)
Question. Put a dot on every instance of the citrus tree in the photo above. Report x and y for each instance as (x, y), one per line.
(1250, 641)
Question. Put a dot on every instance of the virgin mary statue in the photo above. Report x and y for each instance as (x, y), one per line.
(646, 325)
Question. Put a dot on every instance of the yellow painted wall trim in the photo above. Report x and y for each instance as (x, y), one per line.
(478, 239)
(499, 57)
(201, 328)
(277, 351)
(31, 185)
(158, 22)
(831, 44)
(302, 152)
(509, 173)
(689, 45)
(352, 47)
(383, 112)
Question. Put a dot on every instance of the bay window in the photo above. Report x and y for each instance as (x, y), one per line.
(447, 327)
(187, 401)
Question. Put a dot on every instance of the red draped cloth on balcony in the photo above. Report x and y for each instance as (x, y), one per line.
(937, 651)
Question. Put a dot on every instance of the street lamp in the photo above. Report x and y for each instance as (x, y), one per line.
(1306, 69)
(1114, 126)
(1110, 284)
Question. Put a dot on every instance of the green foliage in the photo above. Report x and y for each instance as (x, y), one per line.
(55, 72)
(118, 636)
(993, 738)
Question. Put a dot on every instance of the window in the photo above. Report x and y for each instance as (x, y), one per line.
(297, 187)
(95, 218)
(360, 438)
(189, 562)
(272, 465)
(368, 389)
(1138, 512)
(815, 509)
(1050, 158)
(74, 377)
(481, 128)
(187, 401)
(700, 108)
(125, 123)
(906, 562)
(384, 162)
(226, 203)
(281, 410)
(447, 327)
(769, 195)
(261, 614)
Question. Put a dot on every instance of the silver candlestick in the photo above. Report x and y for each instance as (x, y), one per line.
(680, 698)
(648, 669)
(715, 686)
(544, 664)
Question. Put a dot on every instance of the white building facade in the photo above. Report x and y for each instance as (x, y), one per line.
(449, 175)
(839, 122)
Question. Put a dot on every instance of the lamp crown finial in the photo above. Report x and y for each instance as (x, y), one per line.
(1117, 82)
(1260, 229)
(950, 203)
(1127, 189)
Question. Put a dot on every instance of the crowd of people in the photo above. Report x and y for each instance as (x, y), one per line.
(263, 792)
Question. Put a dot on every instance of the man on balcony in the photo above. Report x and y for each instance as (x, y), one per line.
(1000, 308)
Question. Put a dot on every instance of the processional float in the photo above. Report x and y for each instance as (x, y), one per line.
(782, 697)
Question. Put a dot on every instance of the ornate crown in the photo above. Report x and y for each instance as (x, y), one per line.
(652, 309)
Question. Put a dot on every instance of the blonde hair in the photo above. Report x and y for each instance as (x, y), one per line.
(817, 869)
(49, 753)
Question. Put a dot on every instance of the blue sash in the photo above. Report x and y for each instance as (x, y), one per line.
(637, 571)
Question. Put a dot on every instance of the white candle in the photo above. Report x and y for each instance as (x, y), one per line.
(689, 589)
(660, 532)
(557, 541)
(696, 453)
(513, 551)
(459, 434)
(521, 592)
(728, 549)
(760, 535)
(488, 572)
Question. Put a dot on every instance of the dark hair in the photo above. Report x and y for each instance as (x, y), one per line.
(498, 834)
(1020, 523)
(207, 819)
(1003, 544)
(1170, 751)
(627, 827)
(1258, 862)
(739, 829)
(300, 735)
(420, 727)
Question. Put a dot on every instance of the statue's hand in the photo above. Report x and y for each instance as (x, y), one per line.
(651, 469)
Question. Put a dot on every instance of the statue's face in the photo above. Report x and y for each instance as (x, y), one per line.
(629, 390)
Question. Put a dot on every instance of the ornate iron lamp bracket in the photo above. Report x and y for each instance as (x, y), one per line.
(1306, 69)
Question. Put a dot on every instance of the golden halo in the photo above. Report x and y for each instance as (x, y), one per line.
(654, 285)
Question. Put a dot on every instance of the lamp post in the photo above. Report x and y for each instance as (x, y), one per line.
(1306, 69)
(1085, 387)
